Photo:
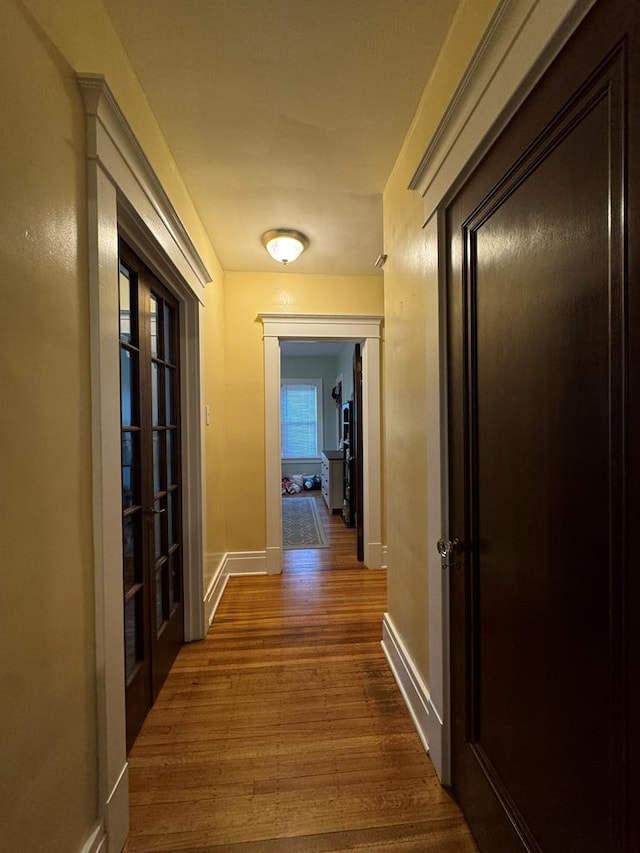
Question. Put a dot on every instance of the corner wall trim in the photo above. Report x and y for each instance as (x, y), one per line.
(245, 563)
(97, 841)
(415, 693)
(117, 819)
(215, 589)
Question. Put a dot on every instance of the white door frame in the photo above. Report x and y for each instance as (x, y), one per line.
(334, 327)
(125, 196)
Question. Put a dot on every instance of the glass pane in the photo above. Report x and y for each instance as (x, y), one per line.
(157, 462)
(171, 518)
(131, 538)
(125, 305)
(170, 450)
(155, 393)
(159, 602)
(169, 378)
(130, 636)
(168, 317)
(174, 580)
(159, 512)
(154, 325)
(127, 386)
(129, 466)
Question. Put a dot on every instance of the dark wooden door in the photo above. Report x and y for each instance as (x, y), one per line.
(357, 451)
(543, 333)
(152, 528)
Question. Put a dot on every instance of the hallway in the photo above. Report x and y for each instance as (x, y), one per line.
(284, 731)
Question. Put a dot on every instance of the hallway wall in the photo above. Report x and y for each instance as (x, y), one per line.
(411, 368)
(48, 729)
(47, 654)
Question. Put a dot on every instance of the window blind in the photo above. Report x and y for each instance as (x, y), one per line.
(299, 412)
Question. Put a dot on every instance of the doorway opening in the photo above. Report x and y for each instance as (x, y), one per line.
(282, 328)
(321, 462)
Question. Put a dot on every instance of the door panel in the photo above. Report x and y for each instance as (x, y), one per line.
(357, 442)
(152, 527)
(537, 308)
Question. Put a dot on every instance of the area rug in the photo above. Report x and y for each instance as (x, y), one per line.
(301, 525)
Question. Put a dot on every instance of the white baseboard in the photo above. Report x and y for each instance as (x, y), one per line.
(385, 556)
(117, 820)
(233, 563)
(216, 587)
(97, 841)
(426, 719)
(245, 563)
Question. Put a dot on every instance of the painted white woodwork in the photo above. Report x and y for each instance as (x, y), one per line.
(97, 841)
(332, 473)
(427, 721)
(520, 43)
(366, 329)
(124, 195)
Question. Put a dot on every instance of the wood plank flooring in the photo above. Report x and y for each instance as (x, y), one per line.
(284, 731)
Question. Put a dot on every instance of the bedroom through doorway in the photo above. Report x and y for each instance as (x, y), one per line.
(321, 501)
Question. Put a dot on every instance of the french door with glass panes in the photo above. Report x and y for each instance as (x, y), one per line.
(151, 485)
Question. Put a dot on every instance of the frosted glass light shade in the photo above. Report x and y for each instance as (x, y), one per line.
(284, 245)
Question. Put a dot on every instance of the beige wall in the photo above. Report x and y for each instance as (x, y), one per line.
(246, 295)
(47, 654)
(214, 392)
(410, 324)
(48, 766)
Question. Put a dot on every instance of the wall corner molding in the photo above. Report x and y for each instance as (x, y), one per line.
(97, 841)
(428, 722)
(519, 44)
(103, 110)
(216, 587)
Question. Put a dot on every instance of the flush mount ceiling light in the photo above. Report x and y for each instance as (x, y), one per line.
(284, 245)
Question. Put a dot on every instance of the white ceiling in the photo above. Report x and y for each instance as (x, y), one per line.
(285, 113)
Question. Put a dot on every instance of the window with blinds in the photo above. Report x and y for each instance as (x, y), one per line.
(301, 413)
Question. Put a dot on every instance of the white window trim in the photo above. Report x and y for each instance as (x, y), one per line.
(320, 417)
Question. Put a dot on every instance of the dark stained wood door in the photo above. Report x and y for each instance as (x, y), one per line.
(544, 359)
(357, 444)
(151, 480)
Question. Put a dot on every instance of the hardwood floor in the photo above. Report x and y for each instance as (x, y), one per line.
(284, 731)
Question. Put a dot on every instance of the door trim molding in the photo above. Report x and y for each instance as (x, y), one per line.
(521, 41)
(348, 327)
(125, 195)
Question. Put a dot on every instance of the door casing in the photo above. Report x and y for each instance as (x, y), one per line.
(125, 197)
(365, 328)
